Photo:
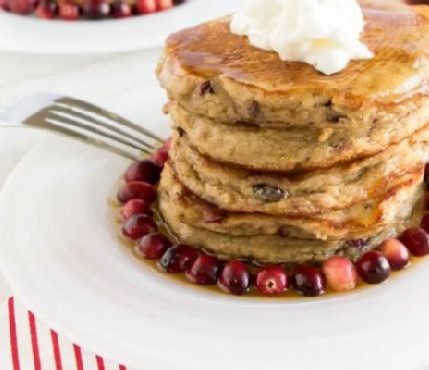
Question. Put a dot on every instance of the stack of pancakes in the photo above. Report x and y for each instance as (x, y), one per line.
(275, 162)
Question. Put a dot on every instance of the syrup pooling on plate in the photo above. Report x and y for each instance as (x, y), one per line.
(144, 231)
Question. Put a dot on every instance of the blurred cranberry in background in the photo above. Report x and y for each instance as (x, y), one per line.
(415, 2)
(68, 11)
(46, 9)
(20, 6)
(96, 8)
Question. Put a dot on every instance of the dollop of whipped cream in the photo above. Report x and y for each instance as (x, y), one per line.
(324, 33)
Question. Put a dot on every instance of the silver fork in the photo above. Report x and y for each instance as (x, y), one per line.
(84, 121)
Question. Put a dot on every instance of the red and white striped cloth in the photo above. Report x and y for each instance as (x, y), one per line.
(26, 343)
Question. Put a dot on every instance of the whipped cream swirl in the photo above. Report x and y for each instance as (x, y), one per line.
(324, 33)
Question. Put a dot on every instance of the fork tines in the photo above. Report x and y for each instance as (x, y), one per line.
(92, 124)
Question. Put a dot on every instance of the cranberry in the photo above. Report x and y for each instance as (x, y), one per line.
(135, 207)
(47, 9)
(138, 226)
(309, 281)
(272, 280)
(121, 9)
(148, 171)
(164, 4)
(96, 8)
(68, 11)
(425, 223)
(20, 6)
(178, 259)
(168, 143)
(373, 267)
(340, 274)
(153, 246)
(178, 2)
(234, 278)
(137, 190)
(204, 270)
(396, 253)
(146, 6)
(160, 156)
(416, 240)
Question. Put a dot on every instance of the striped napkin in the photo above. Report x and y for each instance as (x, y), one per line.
(26, 343)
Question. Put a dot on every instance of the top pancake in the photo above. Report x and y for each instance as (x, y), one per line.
(214, 72)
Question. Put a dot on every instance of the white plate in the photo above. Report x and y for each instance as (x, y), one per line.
(30, 34)
(14, 143)
(61, 256)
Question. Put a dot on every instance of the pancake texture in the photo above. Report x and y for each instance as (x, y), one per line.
(274, 162)
(294, 148)
(220, 75)
(237, 189)
(185, 220)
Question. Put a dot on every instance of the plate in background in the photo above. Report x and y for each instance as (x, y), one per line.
(34, 35)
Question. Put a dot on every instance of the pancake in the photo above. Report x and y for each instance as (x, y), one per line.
(220, 75)
(273, 161)
(294, 148)
(268, 248)
(358, 222)
(235, 189)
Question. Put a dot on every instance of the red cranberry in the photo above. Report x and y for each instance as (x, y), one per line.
(68, 11)
(96, 8)
(138, 226)
(340, 274)
(416, 240)
(160, 156)
(168, 143)
(178, 259)
(146, 6)
(148, 171)
(373, 267)
(396, 253)
(425, 223)
(309, 281)
(121, 9)
(47, 9)
(137, 190)
(20, 6)
(3, 4)
(272, 280)
(135, 207)
(204, 270)
(153, 246)
(234, 278)
(164, 4)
